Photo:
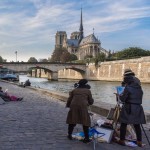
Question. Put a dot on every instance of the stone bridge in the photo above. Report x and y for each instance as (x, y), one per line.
(52, 69)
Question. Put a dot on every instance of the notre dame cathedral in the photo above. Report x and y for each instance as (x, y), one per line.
(78, 44)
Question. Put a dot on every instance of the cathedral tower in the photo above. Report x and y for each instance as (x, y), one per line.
(59, 38)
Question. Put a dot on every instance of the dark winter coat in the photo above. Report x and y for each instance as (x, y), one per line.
(132, 110)
(78, 102)
(27, 83)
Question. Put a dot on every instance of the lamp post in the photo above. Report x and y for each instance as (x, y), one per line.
(16, 55)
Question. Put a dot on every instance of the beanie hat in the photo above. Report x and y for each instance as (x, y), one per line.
(128, 72)
(83, 82)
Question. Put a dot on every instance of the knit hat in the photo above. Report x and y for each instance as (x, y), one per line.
(128, 72)
(83, 82)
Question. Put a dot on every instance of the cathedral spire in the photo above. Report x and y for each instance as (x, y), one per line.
(81, 28)
(81, 25)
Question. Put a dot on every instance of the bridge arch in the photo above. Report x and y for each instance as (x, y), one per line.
(43, 72)
(71, 73)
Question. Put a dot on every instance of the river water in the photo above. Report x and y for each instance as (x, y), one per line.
(101, 90)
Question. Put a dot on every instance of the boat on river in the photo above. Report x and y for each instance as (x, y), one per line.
(10, 77)
(7, 74)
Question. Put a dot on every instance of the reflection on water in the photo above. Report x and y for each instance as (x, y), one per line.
(101, 90)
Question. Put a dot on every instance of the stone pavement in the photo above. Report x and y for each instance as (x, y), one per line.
(38, 123)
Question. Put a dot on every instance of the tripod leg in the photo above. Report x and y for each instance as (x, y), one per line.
(145, 134)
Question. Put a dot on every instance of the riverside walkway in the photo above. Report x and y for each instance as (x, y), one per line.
(38, 123)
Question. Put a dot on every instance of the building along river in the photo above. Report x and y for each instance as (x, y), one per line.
(101, 90)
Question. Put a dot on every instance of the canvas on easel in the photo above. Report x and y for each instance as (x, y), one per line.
(120, 89)
(114, 111)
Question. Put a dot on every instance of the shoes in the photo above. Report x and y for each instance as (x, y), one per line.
(70, 137)
(121, 142)
(139, 143)
(20, 99)
(86, 141)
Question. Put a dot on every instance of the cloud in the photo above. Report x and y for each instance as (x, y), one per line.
(31, 25)
(119, 13)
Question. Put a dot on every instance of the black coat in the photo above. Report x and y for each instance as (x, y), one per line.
(132, 110)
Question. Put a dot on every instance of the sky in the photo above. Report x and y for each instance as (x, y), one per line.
(29, 26)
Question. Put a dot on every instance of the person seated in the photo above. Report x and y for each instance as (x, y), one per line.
(6, 97)
(27, 83)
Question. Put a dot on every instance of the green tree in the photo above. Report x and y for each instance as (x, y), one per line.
(62, 55)
(1, 59)
(65, 57)
(109, 54)
(131, 52)
(88, 58)
(73, 57)
(43, 60)
(32, 59)
(99, 58)
(56, 54)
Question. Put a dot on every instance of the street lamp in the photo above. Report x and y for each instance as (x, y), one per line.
(16, 55)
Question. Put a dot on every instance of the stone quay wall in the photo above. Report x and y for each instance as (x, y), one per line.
(112, 70)
(102, 108)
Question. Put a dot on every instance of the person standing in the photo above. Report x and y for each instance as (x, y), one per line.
(79, 100)
(132, 111)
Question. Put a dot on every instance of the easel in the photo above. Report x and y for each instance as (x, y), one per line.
(115, 112)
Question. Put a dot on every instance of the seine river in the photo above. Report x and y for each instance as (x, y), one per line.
(101, 90)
